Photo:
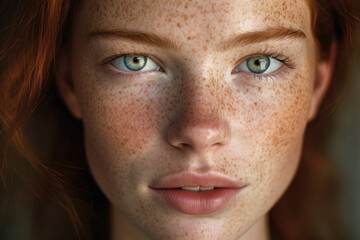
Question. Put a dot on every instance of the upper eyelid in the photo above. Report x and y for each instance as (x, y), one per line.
(275, 55)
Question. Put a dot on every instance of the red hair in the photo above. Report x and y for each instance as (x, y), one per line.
(27, 53)
(29, 42)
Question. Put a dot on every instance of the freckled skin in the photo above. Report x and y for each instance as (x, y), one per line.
(132, 122)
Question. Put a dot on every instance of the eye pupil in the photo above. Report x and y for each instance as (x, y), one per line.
(258, 64)
(135, 62)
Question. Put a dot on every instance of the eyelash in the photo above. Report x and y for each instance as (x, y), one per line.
(277, 55)
(278, 74)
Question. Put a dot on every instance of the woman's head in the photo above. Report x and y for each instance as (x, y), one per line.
(222, 87)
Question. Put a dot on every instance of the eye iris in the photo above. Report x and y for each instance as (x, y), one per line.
(135, 62)
(258, 64)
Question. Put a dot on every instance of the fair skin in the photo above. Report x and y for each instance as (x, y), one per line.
(195, 112)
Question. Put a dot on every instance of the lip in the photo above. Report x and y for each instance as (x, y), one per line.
(167, 191)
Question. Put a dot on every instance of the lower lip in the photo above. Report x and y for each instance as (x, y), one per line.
(197, 203)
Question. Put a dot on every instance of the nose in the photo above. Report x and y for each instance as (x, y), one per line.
(198, 135)
(199, 127)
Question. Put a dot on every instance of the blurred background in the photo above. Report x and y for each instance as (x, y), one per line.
(343, 147)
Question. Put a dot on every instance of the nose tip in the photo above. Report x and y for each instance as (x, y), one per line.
(198, 135)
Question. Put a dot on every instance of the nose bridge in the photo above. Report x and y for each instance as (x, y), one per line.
(199, 124)
(199, 99)
(201, 91)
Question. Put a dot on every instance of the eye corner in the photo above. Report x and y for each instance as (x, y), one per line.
(161, 69)
(108, 60)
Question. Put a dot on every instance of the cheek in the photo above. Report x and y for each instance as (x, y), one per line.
(124, 123)
(283, 120)
(276, 114)
(120, 127)
(128, 121)
(268, 120)
(276, 124)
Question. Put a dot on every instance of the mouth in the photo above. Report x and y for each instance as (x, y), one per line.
(196, 194)
(197, 189)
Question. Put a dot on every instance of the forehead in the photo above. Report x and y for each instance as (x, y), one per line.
(213, 19)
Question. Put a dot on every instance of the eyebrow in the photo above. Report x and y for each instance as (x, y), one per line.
(136, 36)
(246, 38)
(274, 33)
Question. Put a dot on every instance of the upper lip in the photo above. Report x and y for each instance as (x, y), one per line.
(190, 179)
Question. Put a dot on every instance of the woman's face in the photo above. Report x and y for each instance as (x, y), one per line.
(205, 87)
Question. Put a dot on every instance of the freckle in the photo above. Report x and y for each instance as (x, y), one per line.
(178, 24)
(185, 17)
(255, 103)
(259, 89)
(188, 38)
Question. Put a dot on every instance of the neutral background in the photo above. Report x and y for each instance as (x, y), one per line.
(344, 146)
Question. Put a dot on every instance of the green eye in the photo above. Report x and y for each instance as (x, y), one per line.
(261, 64)
(258, 64)
(135, 62)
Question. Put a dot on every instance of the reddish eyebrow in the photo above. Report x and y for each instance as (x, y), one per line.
(135, 36)
(261, 36)
(234, 42)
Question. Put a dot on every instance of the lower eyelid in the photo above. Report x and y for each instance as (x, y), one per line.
(282, 72)
(277, 70)
(115, 70)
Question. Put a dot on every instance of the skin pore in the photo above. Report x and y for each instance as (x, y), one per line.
(196, 110)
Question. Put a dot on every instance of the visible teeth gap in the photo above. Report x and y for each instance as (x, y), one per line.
(197, 189)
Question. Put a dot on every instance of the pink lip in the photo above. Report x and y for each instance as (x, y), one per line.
(196, 203)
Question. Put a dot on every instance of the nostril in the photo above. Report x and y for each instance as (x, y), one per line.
(217, 144)
(185, 145)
